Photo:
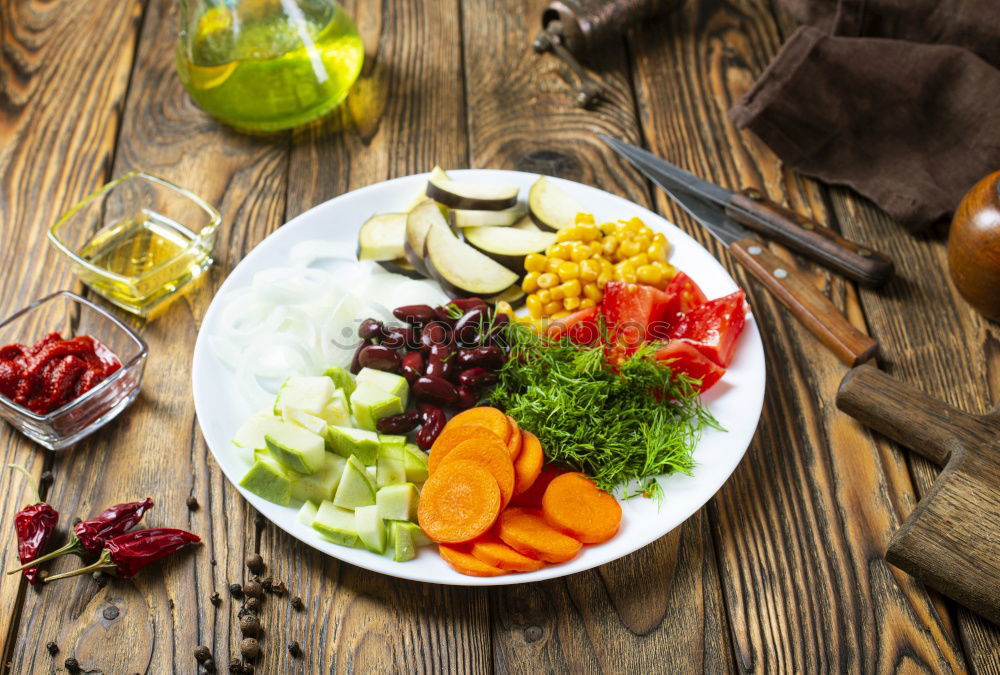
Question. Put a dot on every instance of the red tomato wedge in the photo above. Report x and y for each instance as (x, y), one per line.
(683, 295)
(713, 327)
(684, 358)
(630, 310)
(580, 327)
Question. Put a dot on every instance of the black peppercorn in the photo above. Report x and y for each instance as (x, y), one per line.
(215, 599)
(297, 603)
(236, 590)
(293, 648)
(192, 503)
(72, 665)
(249, 648)
(247, 669)
(100, 578)
(278, 588)
(234, 666)
(253, 589)
(252, 604)
(266, 582)
(202, 653)
(250, 626)
(255, 563)
(52, 647)
(258, 521)
(209, 666)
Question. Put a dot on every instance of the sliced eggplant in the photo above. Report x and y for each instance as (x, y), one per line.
(381, 237)
(550, 207)
(526, 224)
(462, 270)
(514, 296)
(508, 246)
(468, 218)
(425, 216)
(477, 196)
(401, 266)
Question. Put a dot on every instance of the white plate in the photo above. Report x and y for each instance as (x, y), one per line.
(735, 401)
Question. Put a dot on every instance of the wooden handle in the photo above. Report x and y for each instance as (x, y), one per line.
(910, 417)
(809, 238)
(794, 290)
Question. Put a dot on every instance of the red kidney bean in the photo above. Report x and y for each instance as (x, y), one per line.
(433, 422)
(370, 329)
(417, 315)
(467, 397)
(469, 304)
(442, 314)
(412, 366)
(394, 338)
(412, 337)
(468, 329)
(399, 424)
(356, 359)
(477, 377)
(435, 333)
(485, 357)
(379, 358)
(440, 362)
(434, 389)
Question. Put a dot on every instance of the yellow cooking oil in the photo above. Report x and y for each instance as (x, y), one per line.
(266, 65)
(154, 256)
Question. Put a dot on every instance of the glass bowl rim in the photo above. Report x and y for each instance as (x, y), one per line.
(103, 384)
(207, 231)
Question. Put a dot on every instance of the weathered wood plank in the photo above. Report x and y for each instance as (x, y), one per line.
(405, 115)
(635, 614)
(48, 161)
(801, 525)
(154, 448)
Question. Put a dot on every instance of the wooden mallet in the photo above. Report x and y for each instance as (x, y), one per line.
(951, 541)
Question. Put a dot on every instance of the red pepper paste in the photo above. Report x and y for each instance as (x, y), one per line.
(53, 372)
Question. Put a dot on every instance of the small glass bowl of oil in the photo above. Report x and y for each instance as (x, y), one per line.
(139, 241)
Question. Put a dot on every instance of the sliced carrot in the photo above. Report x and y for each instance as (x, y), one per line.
(515, 441)
(452, 436)
(463, 563)
(492, 455)
(492, 551)
(526, 531)
(573, 505)
(528, 464)
(532, 497)
(458, 503)
(483, 416)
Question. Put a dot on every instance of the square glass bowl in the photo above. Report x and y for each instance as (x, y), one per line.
(139, 241)
(70, 315)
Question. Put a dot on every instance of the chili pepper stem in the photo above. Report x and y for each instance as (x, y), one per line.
(31, 481)
(72, 546)
(103, 564)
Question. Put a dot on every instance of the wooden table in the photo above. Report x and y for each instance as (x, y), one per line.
(782, 570)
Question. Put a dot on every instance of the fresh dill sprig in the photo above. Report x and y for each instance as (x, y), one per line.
(635, 420)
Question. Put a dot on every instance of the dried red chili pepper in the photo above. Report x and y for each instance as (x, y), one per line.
(128, 553)
(34, 525)
(89, 536)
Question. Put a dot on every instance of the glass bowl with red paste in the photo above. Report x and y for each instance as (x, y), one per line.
(67, 368)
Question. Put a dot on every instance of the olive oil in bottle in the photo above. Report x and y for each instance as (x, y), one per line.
(265, 65)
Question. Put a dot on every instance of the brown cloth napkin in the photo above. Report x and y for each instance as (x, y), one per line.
(910, 123)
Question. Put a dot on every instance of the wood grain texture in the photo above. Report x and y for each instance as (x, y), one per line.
(48, 162)
(801, 526)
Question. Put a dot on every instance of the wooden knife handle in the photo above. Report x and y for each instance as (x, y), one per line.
(809, 238)
(794, 290)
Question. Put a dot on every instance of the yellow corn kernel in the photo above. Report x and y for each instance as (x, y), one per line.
(660, 238)
(603, 278)
(571, 303)
(589, 233)
(534, 262)
(530, 283)
(609, 244)
(643, 242)
(568, 234)
(584, 219)
(534, 305)
(552, 307)
(545, 296)
(626, 274)
(657, 252)
(633, 226)
(589, 269)
(560, 250)
(596, 249)
(587, 303)
(647, 274)
(609, 228)
(559, 315)
(568, 270)
(628, 248)
(552, 264)
(606, 265)
(638, 261)
(593, 292)
(579, 252)
(669, 271)
(557, 293)
(547, 280)
(570, 289)
(503, 307)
